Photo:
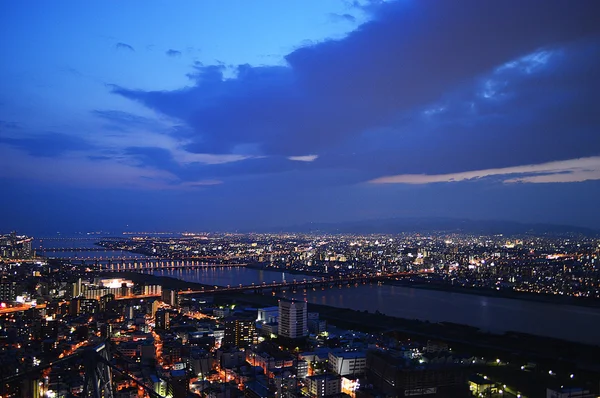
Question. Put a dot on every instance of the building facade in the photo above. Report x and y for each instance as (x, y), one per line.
(292, 319)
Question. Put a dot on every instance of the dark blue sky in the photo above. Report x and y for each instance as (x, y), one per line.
(228, 114)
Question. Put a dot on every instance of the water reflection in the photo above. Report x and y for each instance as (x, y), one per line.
(488, 313)
(232, 276)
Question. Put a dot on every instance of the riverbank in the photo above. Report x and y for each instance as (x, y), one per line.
(508, 294)
(472, 339)
(511, 346)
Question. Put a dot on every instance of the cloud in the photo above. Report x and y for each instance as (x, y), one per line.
(212, 158)
(201, 183)
(187, 167)
(331, 92)
(573, 170)
(124, 46)
(173, 53)
(48, 144)
(93, 171)
(125, 119)
(342, 17)
(305, 158)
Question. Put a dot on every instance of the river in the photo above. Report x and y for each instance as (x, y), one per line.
(232, 276)
(493, 314)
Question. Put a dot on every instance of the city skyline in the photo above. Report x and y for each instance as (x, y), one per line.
(209, 117)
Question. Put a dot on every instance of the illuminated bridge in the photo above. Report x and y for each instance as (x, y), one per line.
(322, 282)
(150, 264)
(77, 249)
(294, 285)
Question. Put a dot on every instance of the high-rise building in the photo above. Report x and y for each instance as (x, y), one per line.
(49, 329)
(129, 312)
(155, 307)
(82, 305)
(162, 320)
(152, 289)
(76, 288)
(8, 291)
(15, 246)
(239, 332)
(105, 301)
(106, 330)
(161, 387)
(170, 297)
(292, 319)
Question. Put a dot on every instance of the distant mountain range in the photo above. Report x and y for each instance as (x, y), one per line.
(428, 225)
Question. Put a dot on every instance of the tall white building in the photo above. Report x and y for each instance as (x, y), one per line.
(292, 319)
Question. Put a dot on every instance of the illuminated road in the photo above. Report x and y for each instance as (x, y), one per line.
(19, 308)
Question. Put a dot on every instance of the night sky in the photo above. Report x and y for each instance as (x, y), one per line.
(223, 115)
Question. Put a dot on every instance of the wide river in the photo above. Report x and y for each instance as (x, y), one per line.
(492, 314)
(232, 276)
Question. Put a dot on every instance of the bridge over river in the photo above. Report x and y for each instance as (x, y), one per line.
(153, 264)
(294, 285)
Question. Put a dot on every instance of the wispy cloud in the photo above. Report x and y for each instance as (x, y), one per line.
(573, 170)
(72, 169)
(201, 183)
(210, 158)
(125, 119)
(342, 17)
(48, 144)
(124, 46)
(173, 53)
(304, 158)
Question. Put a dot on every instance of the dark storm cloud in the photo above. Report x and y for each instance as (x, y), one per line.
(364, 102)
(48, 144)
(173, 53)
(536, 110)
(124, 46)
